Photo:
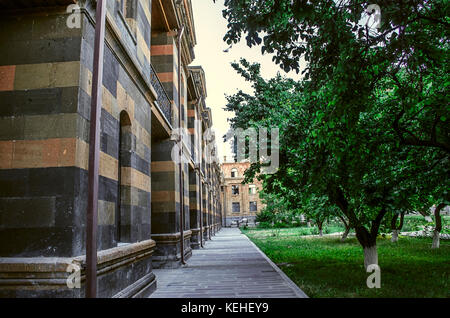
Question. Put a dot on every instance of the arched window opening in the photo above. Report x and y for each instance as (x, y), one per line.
(124, 156)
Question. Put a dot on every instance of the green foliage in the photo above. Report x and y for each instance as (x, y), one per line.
(327, 267)
(361, 169)
(418, 223)
(319, 209)
(368, 127)
(278, 211)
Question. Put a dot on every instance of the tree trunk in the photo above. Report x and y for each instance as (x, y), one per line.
(370, 256)
(320, 226)
(396, 229)
(344, 236)
(347, 228)
(395, 236)
(436, 240)
(438, 228)
(368, 240)
(402, 218)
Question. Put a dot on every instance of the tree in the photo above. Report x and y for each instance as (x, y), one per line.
(407, 54)
(318, 209)
(396, 227)
(361, 168)
(346, 225)
(371, 114)
(438, 228)
(432, 196)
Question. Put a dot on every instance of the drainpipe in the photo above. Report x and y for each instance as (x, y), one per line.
(200, 180)
(180, 142)
(94, 150)
(201, 211)
(209, 205)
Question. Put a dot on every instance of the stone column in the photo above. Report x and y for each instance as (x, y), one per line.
(194, 204)
(166, 205)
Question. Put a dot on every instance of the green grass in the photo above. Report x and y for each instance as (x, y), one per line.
(325, 267)
(295, 231)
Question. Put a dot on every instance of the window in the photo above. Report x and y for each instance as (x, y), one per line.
(236, 207)
(128, 10)
(252, 189)
(234, 173)
(122, 233)
(234, 189)
(253, 206)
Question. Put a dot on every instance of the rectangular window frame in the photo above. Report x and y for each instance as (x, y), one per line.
(123, 16)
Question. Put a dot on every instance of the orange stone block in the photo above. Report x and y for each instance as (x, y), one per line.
(166, 77)
(7, 76)
(163, 196)
(50, 152)
(6, 154)
(162, 50)
(27, 154)
(67, 152)
(41, 153)
(163, 166)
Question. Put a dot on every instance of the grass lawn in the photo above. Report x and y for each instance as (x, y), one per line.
(326, 267)
(294, 231)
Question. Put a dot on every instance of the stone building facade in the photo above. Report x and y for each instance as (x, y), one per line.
(46, 70)
(239, 200)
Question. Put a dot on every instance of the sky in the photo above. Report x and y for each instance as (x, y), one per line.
(221, 78)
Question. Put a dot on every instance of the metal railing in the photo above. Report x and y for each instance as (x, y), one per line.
(163, 99)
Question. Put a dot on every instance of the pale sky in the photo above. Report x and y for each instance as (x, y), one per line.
(221, 78)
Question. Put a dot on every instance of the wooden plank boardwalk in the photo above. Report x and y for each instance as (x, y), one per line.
(229, 266)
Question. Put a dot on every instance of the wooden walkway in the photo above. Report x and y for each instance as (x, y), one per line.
(229, 266)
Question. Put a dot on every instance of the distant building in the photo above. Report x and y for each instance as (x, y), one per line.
(239, 200)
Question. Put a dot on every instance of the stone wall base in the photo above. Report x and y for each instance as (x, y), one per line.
(206, 233)
(195, 239)
(168, 252)
(124, 271)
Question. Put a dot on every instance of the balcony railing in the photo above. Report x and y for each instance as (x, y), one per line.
(163, 99)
